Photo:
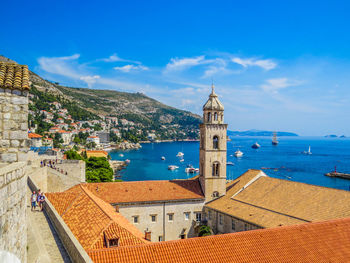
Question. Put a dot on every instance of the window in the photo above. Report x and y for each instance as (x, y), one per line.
(198, 216)
(170, 217)
(136, 219)
(215, 142)
(160, 238)
(233, 225)
(215, 171)
(215, 194)
(246, 227)
(215, 116)
(154, 218)
(209, 215)
(187, 215)
(113, 242)
(220, 219)
(209, 116)
(183, 236)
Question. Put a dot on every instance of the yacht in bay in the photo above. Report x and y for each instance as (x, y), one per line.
(256, 146)
(274, 139)
(238, 153)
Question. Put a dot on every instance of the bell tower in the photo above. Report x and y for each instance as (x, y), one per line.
(212, 152)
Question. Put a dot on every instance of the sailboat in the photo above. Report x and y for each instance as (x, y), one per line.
(274, 139)
(308, 152)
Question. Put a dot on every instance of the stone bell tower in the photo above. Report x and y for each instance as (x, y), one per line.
(212, 153)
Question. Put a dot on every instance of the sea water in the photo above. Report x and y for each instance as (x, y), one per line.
(284, 161)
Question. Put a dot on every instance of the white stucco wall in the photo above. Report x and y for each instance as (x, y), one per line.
(171, 230)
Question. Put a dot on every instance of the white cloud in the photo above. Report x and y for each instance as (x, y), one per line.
(183, 63)
(60, 65)
(128, 68)
(266, 64)
(115, 58)
(274, 85)
(90, 80)
(112, 58)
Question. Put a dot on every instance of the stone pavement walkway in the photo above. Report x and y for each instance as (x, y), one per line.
(44, 244)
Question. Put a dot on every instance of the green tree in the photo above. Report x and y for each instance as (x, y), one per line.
(98, 169)
(204, 231)
(73, 155)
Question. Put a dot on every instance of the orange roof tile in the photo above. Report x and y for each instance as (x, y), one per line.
(144, 191)
(90, 219)
(14, 76)
(311, 242)
(34, 135)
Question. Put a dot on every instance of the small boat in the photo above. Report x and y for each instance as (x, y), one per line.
(230, 163)
(163, 158)
(274, 139)
(121, 155)
(256, 146)
(238, 153)
(308, 152)
(180, 154)
(191, 170)
(182, 160)
(172, 167)
(127, 161)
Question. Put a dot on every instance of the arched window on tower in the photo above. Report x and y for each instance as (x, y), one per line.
(215, 116)
(222, 116)
(209, 116)
(216, 142)
(216, 167)
(215, 194)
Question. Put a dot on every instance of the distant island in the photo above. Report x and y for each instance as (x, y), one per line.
(259, 133)
(334, 136)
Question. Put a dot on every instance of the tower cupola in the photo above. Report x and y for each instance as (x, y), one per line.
(213, 110)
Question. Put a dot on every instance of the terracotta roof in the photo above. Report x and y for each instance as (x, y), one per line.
(311, 242)
(145, 191)
(34, 135)
(96, 153)
(91, 220)
(14, 76)
(270, 202)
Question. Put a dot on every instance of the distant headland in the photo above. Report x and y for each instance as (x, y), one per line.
(259, 133)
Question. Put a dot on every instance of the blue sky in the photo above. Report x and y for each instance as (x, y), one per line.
(277, 65)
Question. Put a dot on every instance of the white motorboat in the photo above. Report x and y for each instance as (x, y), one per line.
(182, 160)
(163, 158)
(191, 170)
(121, 155)
(172, 167)
(127, 161)
(238, 153)
(180, 154)
(230, 163)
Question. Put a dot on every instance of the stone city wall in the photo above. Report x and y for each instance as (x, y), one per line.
(73, 247)
(13, 226)
(13, 125)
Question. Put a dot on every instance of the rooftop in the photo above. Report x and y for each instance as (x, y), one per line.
(147, 191)
(93, 221)
(14, 76)
(34, 135)
(213, 103)
(270, 202)
(311, 242)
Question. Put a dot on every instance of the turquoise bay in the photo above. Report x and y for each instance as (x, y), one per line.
(284, 161)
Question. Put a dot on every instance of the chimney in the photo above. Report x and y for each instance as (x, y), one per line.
(148, 235)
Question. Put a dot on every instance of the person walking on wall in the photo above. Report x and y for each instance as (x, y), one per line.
(41, 201)
(33, 200)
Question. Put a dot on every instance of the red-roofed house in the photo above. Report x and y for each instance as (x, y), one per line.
(35, 139)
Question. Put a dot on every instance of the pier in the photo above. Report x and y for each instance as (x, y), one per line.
(340, 175)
